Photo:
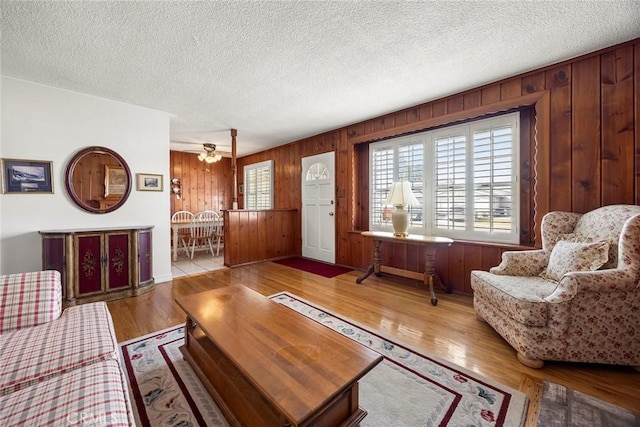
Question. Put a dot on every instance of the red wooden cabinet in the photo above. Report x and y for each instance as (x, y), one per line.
(100, 264)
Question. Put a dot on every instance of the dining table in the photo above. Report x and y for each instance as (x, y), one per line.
(176, 226)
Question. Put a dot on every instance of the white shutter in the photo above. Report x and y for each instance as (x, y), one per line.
(411, 168)
(493, 177)
(258, 185)
(382, 161)
(263, 188)
(250, 188)
(450, 181)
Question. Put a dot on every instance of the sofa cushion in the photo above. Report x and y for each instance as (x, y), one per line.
(95, 394)
(568, 256)
(82, 335)
(520, 296)
(29, 299)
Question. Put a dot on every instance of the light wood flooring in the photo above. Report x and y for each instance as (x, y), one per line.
(398, 307)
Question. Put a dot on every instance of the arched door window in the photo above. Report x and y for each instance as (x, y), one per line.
(317, 171)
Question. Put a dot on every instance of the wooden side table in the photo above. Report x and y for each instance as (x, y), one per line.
(429, 277)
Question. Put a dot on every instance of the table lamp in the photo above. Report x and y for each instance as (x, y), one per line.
(401, 196)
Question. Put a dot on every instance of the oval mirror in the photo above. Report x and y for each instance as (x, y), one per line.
(98, 179)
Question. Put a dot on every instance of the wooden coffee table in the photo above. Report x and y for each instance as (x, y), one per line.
(264, 364)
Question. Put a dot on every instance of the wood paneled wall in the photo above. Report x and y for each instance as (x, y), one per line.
(203, 186)
(584, 145)
(258, 235)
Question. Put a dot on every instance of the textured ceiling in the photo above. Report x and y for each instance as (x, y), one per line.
(279, 71)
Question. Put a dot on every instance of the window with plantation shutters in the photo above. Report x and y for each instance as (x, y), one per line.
(258, 185)
(465, 177)
(400, 160)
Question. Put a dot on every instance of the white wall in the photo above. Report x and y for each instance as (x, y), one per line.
(45, 123)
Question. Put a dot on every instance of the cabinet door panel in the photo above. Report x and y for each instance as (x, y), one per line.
(146, 262)
(119, 270)
(53, 252)
(89, 267)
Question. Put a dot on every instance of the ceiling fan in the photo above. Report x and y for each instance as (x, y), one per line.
(210, 155)
(205, 148)
(210, 152)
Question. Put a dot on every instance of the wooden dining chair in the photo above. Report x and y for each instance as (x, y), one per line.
(184, 234)
(202, 231)
(218, 233)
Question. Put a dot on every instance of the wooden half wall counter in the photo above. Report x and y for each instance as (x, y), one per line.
(259, 235)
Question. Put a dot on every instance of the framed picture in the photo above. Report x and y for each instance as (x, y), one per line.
(149, 182)
(26, 176)
(115, 180)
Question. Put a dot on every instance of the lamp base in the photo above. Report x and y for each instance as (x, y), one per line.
(400, 234)
(400, 221)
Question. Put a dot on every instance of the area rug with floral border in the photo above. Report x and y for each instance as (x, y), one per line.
(408, 388)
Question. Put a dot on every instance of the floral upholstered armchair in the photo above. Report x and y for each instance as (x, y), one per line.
(576, 299)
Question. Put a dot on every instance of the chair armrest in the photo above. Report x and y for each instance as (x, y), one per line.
(29, 299)
(603, 281)
(522, 263)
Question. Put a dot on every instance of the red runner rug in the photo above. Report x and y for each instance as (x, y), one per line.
(315, 267)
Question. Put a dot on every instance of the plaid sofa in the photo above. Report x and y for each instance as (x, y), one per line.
(57, 367)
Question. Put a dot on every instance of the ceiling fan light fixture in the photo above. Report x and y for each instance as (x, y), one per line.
(211, 159)
(209, 154)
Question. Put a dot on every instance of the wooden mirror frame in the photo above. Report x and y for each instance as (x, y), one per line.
(98, 201)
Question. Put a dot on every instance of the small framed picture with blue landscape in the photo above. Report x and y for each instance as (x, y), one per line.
(26, 176)
(149, 182)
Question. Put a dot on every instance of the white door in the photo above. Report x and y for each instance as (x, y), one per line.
(318, 207)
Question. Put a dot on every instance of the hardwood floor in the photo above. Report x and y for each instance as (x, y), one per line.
(398, 307)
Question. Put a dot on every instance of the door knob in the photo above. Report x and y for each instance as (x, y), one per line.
(330, 213)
